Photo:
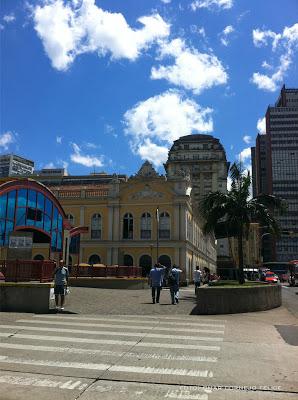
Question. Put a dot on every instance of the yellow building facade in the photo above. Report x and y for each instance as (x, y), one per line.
(125, 227)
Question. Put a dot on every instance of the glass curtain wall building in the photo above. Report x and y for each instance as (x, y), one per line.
(26, 205)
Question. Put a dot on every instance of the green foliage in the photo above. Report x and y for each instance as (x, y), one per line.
(236, 210)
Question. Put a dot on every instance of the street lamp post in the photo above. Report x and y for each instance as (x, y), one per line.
(157, 234)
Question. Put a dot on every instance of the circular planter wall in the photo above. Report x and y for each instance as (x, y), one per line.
(216, 300)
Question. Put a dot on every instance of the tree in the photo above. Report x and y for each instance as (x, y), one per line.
(236, 210)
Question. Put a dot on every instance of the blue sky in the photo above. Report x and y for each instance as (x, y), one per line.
(103, 85)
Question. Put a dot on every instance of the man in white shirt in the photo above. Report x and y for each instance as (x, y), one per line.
(197, 278)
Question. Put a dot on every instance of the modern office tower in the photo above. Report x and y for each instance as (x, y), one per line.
(204, 159)
(11, 164)
(276, 171)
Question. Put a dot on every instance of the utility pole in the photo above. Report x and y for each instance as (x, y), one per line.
(157, 233)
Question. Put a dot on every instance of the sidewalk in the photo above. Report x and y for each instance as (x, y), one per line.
(127, 302)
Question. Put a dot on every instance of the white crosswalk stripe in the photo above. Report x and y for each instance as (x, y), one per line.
(115, 346)
(140, 320)
(119, 326)
(75, 350)
(112, 342)
(113, 333)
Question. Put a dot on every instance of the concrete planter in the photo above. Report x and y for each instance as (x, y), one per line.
(216, 300)
(27, 297)
(109, 283)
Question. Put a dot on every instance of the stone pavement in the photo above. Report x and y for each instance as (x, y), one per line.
(126, 302)
(148, 352)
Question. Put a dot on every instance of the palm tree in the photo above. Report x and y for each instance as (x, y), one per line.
(235, 210)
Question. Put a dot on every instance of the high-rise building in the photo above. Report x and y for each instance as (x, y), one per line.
(275, 170)
(11, 164)
(204, 159)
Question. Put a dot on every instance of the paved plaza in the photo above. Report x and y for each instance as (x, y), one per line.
(117, 345)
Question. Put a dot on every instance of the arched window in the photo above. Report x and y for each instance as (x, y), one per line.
(127, 260)
(146, 264)
(128, 226)
(70, 218)
(146, 226)
(165, 260)
(38, 257)
(94, 259)
(164, 226)
(96, 226)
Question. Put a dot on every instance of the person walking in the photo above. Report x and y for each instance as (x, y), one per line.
(155, 281)
(197, 275)
(173, 277)
(61, 275)
(206, 275)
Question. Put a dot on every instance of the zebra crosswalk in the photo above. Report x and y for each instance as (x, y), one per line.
(79, 351)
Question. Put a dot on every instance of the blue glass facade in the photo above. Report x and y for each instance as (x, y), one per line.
(30, 208)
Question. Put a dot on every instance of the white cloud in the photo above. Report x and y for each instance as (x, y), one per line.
(59, 139)
(157, 155)
(247, 139)
(266, 65)
(261, 126)
(49, 165)
(9, 18)
(1, 27)
(64, 165)
(155, 123)
(285, 44)
(211, 4)
(202, 32)
(90, 145)
(166, 1)
(85, 159)
(245, 155)
(260, 38)
(192, 70)
(6, 139)
(110, 130)
(224, 35)
(58, 164)
(73, 28)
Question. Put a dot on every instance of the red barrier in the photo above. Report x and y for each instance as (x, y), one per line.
(27, 270)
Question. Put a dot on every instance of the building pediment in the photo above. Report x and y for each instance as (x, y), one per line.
(147, 171)
(147, 192)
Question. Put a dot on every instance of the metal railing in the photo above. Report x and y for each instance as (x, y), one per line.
(27, 270)
(116, 271)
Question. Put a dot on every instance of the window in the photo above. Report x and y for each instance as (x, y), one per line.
(70, 218)
(146, 226)
(128, 226)
(94, 259)
(164, 226)
(96, 226)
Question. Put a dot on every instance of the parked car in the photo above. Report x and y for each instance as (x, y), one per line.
(271, 277)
